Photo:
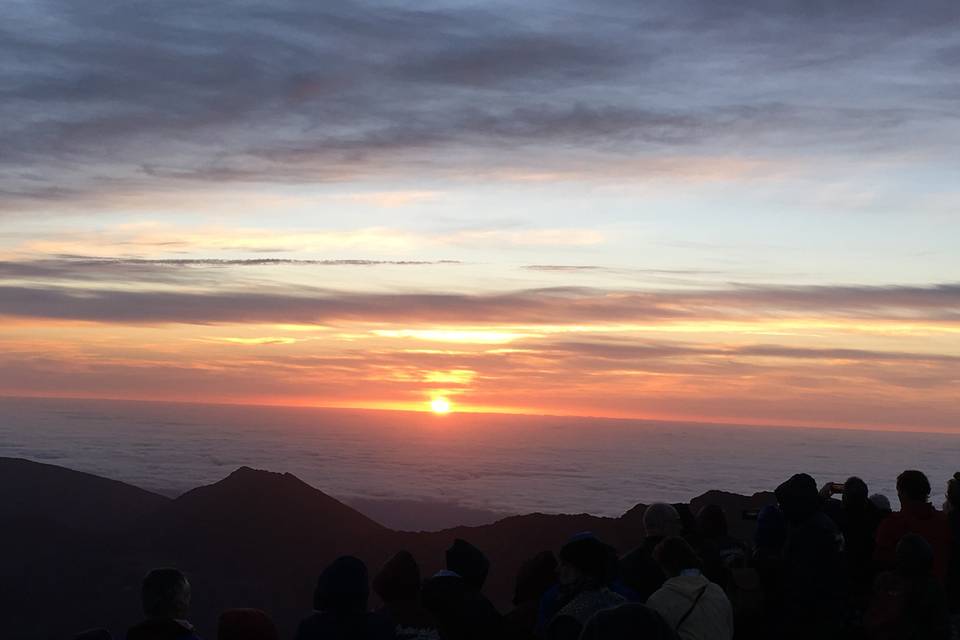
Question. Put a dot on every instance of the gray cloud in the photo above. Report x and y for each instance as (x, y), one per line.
(939, 303)
(104, 97)
(168, 269)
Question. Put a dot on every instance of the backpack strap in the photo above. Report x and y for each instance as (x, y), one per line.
(692, 607)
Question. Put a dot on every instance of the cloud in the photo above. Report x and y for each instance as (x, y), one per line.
(570, 305)
(108, 99)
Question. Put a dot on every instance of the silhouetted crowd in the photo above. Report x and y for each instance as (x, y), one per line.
(823, 564)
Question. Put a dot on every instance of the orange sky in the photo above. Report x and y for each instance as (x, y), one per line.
(358, 205)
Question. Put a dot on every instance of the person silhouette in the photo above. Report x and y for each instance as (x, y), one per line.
(584, 574)
(454, 596)
(638, 570)
(165, 596)
(917, 516)
(812, 577)
(398, 585)
(340, 606)
(695, 607)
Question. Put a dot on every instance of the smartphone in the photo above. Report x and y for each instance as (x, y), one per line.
(836, 487)
(750, 514)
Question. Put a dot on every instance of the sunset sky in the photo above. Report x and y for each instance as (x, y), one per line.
(740, 212)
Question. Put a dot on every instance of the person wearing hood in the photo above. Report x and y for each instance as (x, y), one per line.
(453, 596)
(398, 585)
(812, 575)
(165, 595)
(694, 607)
(340, 606)
(584, 573)
(917, 516)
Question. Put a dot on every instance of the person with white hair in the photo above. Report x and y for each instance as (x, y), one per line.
(638, 570)
(165, 595)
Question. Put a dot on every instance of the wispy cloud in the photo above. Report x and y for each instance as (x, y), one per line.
(144, 98)
(937, 304)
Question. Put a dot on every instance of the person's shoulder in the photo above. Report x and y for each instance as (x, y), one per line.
(894, 521)
(161, 630)
(659, 596)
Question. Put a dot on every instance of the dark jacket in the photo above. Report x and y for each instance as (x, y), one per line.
(628, 622)
(351, 626)
(569, 622)
(640, 572)
(812, 576)
(340, 606)
(162, 629)
(398, 585)
(461, 611)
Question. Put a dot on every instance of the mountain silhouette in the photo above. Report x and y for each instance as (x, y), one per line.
(71, 498)
(79, 545)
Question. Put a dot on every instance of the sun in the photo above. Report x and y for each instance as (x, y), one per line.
(440, 405)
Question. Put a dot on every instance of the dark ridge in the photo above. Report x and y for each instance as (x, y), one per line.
(73, 499)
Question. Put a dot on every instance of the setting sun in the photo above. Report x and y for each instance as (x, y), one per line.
(440, 405)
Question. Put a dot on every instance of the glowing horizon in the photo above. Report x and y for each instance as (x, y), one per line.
(509, 213)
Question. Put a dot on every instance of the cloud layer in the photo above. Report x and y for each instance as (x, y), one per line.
(105, 97)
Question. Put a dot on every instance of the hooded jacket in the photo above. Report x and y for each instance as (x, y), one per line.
(812, 579)
(398, 585)
(710, 616)
(340, 604)
(461, 611)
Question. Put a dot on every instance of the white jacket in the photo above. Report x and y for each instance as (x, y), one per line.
(710, 619)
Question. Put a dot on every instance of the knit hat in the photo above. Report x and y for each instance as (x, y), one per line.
(342, 587)
(399, 579)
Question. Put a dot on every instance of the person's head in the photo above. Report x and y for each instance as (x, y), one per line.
(342, 587)
(913, 487)
(798, 498)
(468, 562)
(881, 502)
(953, 491)
(674, 555)
(246, 624)
(661, 520)
(165, 594)
(914, 556)
(399, 579)
(536, 575)
(855, 493)
(584, 558)
(712, 522)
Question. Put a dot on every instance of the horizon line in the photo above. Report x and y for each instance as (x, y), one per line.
(503, 412)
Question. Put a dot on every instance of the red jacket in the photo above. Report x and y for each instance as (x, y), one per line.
(926, 522)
